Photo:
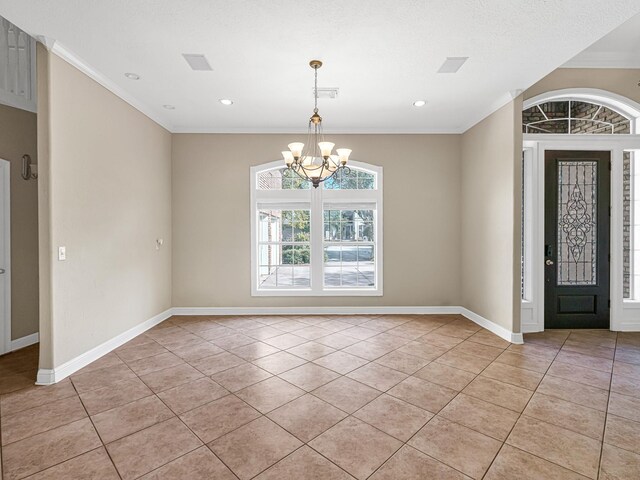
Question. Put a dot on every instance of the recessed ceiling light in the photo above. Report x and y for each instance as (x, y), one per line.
(132, 76)
(419, 103)
(226, 101)
(169, 107)
(452, 64)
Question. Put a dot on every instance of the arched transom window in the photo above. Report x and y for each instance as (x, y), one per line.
(569, 116)
(316, 241)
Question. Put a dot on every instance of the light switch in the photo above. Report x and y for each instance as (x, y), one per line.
(62, 253)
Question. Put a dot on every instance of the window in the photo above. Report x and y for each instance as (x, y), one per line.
(316, 241)
(574, 117)
(631, 225)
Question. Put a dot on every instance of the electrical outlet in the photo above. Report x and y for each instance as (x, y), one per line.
(62, 253)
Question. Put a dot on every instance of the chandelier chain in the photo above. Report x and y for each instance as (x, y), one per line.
(315, 91)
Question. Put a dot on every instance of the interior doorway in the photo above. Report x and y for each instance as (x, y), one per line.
(577, 250)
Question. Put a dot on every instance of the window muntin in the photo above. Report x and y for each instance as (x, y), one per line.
(324, 241)
(575, 117)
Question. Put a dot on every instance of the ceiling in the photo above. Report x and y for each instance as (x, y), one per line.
(382, 55)
(618, 49)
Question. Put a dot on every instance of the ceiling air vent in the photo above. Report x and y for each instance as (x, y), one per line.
(197, 62)
(327, 92)
(452, 64)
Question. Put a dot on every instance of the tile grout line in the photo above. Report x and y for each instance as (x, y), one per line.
(436, 414)
(190, 451)
(606, 412)
(522, 414)
(96, 430)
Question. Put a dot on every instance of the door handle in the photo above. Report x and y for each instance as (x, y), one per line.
(2, 270)
(548, 262)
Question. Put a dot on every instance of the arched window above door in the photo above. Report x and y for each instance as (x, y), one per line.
(574, 117)
(580, 111)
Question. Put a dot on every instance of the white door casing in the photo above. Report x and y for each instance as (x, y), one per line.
(5, 258)
(625, 314)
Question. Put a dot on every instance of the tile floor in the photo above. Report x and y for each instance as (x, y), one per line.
(340, 397)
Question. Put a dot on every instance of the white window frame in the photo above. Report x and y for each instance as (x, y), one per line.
(315, 199)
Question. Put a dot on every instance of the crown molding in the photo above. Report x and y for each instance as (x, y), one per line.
(337, 131)
(69, 57)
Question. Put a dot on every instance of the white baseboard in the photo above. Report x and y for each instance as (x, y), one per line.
(22, 342)
(629, 327)
(530, 328)
(314, 310)
(50, 376)
(500, 331)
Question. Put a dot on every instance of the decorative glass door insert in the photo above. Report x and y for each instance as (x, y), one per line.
(577, 222)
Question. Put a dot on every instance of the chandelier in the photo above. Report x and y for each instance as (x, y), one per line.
(315, 163)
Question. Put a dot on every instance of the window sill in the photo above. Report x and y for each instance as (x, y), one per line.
(322, 293)
(631, 304)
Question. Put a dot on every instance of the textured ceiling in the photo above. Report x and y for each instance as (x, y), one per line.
(383, 55)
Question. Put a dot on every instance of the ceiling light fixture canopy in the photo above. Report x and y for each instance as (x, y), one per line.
(315, 163)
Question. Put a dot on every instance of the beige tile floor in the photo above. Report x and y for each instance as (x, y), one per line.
(335, 397)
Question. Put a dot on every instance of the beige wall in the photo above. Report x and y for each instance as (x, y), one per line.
(617, 80)
(108, 190)
(211, 218)
(491, 152)
(44, 211)
(18, 137)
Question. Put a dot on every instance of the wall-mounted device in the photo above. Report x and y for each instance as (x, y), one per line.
(29, 170)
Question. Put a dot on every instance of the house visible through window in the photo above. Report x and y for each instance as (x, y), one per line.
(316, 241)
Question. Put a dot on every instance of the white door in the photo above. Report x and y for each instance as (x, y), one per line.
(5, 259)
